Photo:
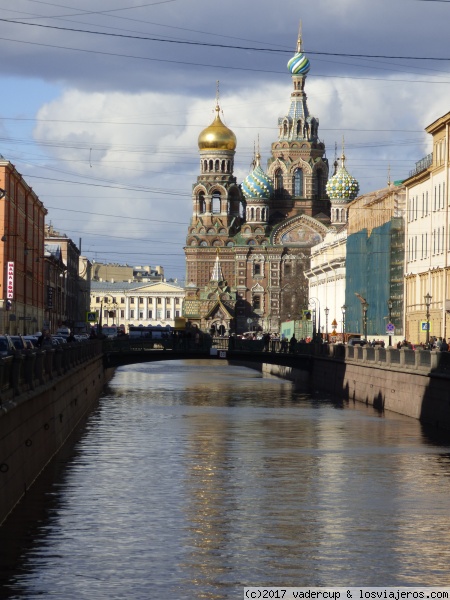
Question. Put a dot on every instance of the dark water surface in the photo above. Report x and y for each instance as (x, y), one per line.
(194, 479)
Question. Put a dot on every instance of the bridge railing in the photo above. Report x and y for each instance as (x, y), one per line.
(25, 371)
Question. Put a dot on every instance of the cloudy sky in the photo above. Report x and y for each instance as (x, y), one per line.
(103, 100)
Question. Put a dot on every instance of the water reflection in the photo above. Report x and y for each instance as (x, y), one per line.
(194, 479)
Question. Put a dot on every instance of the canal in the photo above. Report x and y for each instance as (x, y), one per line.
(193, 479)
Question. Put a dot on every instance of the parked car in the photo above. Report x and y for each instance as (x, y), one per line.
(7, 347)
(357, 342)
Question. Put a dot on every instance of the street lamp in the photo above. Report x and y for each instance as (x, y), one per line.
(316, 319)
(390, 305)
(343, 309)
(427, 304)
(365, 307)
(327, 312)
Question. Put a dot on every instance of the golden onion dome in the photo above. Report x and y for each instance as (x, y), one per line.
(217, 136)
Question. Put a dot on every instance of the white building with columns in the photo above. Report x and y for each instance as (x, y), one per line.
(122, 303)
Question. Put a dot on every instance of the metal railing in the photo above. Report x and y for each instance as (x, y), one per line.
(27, 370)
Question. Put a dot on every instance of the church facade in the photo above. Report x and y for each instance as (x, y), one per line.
(248, 244)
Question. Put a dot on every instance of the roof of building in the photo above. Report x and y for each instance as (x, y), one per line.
(125, 286)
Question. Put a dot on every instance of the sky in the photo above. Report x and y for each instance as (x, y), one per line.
(103, 101)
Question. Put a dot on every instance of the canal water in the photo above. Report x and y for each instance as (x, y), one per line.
(193, 479)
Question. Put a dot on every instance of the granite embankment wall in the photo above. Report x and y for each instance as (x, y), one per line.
(35, 422)
(415, 383)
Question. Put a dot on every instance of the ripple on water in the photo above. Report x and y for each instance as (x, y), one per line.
(193, 479)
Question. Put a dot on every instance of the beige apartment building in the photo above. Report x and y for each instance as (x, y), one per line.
(427, 273)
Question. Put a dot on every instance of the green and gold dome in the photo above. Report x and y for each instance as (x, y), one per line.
(342, 186)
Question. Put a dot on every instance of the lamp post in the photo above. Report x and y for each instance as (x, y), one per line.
(365, 307)
(390, 305)
(316, 319)
(427, 304)
(343, 309)
(327, 312)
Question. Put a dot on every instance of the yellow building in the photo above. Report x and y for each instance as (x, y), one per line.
(427, 240)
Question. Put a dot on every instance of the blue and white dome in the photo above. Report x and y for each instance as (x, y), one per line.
(299, 64)
(257, 184)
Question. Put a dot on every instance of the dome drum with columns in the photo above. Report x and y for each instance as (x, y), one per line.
(258, 235)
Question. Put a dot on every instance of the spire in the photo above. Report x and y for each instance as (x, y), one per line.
(298, 124)
(217, 94)
(335, 164)
(299, 39)
(217, 274)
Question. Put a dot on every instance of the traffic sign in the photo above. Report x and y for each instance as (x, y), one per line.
(91, 317)
(390, 328)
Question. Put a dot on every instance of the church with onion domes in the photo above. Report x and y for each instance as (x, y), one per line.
(249, 243)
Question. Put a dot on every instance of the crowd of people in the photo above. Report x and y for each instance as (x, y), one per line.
(435, 343)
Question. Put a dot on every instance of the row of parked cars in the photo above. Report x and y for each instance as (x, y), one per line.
(10, 344)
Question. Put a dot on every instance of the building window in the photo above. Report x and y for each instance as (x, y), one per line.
(201, 202)
(215, 203)
(131, 314)
(122, 313)
(177, 313)
(159, 300)
(298, 182)
(167, 314)
(97, 299)
(132, 300)
(150, 300)
(141, 300)
(122, 301)
(159, 314)
(177, 301)
(150, 314)
(256, 302)
(256, 269)
(279, 181)
(114, 300)
(141, 314)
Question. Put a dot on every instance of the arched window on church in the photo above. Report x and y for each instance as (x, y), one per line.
(285, 129)
(319, 183)
(299, 127)
(298, 182)
(215, 203)
(205, 166)
(256, 301)
(201, 203)
(217, 165)
(279, 182)
(211, 165)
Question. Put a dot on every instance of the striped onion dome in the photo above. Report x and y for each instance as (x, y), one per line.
(257, 184)
(342, 185)
(299, 64)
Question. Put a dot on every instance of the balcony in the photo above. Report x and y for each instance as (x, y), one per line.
(422, 165)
